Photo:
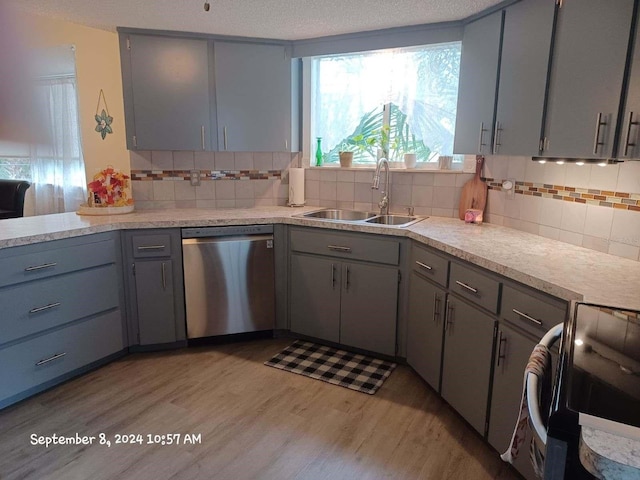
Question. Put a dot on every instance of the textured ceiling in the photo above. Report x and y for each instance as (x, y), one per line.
(282, 19)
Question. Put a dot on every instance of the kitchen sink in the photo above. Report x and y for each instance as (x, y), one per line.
(338, 214)
(354, 216)
(394, 220)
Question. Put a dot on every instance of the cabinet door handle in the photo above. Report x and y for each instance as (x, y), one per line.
(224, 134)
(202, 137)
(45, 307)
(468, 287)
(51, 359)
(596, 140)
(40, 267)
(480, 144)
(164, 276)
(450, 313)
(151, 247)
(424, 265)
(626, 140)
(436, 307)
(496, 138)
(333, 276)
(337, 248)
(524, 315)
(348, 282)
(501, 341)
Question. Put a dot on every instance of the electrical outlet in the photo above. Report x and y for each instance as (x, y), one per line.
(509, 188)
(195, 178)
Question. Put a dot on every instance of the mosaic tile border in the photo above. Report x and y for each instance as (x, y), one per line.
(163, 175)
(589, 196)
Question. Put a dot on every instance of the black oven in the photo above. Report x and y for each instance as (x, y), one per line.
(597, 383)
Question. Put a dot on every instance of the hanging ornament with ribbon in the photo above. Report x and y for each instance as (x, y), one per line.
(104, 120)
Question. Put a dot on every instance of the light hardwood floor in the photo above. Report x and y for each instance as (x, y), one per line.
(256, 422)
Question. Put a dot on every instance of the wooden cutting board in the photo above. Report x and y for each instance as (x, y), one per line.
(474, 192)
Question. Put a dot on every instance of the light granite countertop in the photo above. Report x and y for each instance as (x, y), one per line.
(609, 456)
(559, 269)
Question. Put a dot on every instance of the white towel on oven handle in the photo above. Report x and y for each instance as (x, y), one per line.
(539, 364)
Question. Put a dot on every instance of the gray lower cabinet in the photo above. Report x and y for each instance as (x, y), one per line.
(155, 287)
(368, 307)
(587, 73)
(315, 297)
(62, 311)
(513, 350)
(425, 329)
(467, 360)
(166, 92)
(349, 303)
(343, 288)
(253, 96)
(478, 85)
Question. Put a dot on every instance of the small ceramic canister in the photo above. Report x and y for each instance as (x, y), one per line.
(473, 215)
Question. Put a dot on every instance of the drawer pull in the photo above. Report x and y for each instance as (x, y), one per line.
(338, 248)
(151, 247)
(464, 285)
(45, 307)
(424, 265)
(524, 315)
(40, 267)
(51, 359)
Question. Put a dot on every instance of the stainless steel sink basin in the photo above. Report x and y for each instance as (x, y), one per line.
(395, 220)
(354, 216)
(337, 214)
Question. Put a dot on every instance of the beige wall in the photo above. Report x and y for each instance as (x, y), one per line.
(97, 67)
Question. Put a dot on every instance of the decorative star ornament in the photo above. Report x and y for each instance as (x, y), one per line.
(104, 123)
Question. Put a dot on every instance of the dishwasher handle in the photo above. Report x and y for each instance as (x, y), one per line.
(240, 238)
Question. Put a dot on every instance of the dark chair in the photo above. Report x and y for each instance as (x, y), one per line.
(12, 198)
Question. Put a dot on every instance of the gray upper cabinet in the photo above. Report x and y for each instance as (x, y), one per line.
(587, 73)
(478, 85)
(167, 100)
(526, 47)
(629, 145)
(253, 97)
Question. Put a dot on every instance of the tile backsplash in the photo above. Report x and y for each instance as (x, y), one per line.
(430, 193)
(161, 179)
(590, 206)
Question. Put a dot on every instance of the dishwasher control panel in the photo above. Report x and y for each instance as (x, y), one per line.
(198, 232)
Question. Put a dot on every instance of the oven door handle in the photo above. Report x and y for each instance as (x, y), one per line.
(533, 403)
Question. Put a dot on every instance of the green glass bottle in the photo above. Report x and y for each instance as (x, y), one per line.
(319, 152)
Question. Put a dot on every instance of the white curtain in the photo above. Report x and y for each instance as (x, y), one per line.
(58, 167)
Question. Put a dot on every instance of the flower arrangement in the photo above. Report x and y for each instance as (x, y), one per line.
(109, 189)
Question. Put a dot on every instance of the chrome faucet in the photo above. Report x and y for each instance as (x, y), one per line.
(385, 200)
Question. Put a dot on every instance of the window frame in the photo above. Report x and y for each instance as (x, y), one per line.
(308, 86)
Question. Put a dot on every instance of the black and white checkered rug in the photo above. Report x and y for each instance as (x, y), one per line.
(357, 372)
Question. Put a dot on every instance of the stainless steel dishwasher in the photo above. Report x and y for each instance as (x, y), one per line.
(229, 279)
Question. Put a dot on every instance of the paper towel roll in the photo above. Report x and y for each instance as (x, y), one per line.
(296, 187)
